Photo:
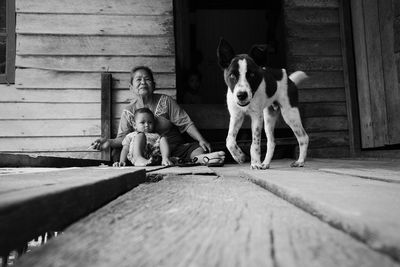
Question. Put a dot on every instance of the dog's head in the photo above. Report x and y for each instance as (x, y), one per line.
(243, 73)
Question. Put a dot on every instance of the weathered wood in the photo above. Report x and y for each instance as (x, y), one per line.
(151, 7)
(328, 139)
(323, 79)
(329, 152)
(30, 160)
(311, 3)
(31, 204)
(94, 24)
(95, 45)
(316, 63)
(361, 63)
(96, 63)
(391, 80)
(322, 109)
(46, 144)
(382, 170)
(313, 31)
(88, 154)
(349, 75)
(322, 95)
(106, 111)
(312, 16)
(364, 210)
(317, 47)
(396, 29)
(319, 124)
(34, 78)
(203, 221)
(53, 127)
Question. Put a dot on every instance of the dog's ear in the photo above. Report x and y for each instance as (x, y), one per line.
(225, 53)
(259, 53)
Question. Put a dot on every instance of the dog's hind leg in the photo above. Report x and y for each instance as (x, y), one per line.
(291, 115)
(270, 118)
(236, 121)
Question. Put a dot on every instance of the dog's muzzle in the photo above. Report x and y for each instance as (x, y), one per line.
(242, 97)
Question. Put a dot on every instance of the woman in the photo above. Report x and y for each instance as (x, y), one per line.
(172, 120)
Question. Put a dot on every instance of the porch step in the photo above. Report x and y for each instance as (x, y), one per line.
(367, 209)
(203, 220)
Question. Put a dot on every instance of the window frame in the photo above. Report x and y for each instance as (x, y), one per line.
(9, 75)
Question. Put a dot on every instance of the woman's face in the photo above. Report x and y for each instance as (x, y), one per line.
(142, 83)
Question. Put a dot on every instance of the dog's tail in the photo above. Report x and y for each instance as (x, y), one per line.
(297, 77)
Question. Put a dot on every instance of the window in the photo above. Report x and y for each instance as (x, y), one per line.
(7, 41)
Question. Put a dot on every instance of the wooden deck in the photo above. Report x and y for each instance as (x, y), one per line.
(329, 213)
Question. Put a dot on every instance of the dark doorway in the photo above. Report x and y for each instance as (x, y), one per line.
(199, 24)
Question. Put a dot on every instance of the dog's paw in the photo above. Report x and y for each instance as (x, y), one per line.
(265, 166)
(239, 157)
(297, 164)
(258, 166)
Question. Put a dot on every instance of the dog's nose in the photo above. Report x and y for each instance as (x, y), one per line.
(241, 95)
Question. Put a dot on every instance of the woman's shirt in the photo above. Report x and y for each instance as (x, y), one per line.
(170, 118)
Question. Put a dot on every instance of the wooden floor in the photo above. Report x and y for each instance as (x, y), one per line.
(329, 213)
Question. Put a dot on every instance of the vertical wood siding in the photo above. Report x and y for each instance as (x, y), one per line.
(62, 48)
(314, 46)
(396, 27)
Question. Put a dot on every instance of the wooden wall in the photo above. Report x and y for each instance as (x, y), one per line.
(62, 47)
(314, 46)
(396, 27)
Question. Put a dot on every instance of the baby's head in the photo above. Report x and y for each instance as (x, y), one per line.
(144, 120)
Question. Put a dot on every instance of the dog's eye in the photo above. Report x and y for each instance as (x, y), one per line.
(232, 76)
(251, 74)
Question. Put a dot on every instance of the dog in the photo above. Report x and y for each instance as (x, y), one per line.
(261, 93)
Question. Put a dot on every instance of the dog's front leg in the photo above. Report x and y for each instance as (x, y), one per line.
(255, 149)
(235, 123)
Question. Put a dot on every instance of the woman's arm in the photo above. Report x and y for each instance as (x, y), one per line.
(196, 135)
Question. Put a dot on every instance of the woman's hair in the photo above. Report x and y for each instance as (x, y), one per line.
(145, 68)
(143, 111)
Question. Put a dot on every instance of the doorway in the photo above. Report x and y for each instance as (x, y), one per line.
(199, 25)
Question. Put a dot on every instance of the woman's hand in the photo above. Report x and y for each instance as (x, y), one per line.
(119, 164)
(205, 145)
(100, 144)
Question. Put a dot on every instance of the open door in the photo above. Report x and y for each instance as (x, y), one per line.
(377, 81)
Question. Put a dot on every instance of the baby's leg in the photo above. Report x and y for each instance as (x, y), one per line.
(139, 146)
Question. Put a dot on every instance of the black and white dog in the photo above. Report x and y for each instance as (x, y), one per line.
(261, 93)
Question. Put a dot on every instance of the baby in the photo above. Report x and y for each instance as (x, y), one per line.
(144, 147)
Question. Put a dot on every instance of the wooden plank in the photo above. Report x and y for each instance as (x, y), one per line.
(362, 208)
(203, 221)
(308, 110)
(322, 95)
(89, 154)
(57, 199)
(311, 3)
(396, 29)
(321, 124)
(40, 160)
(96, 63)
(361, 63)
(328, 139)
(106, 111)
(382, 170)
(94, 24)
(316, 63)
(323, 79)
(391, 80)
(349, 75)
(151, 7)
(44, 79)
(311, 16)
(95, 45)
(316, 47)
(30, 128)
(313, 31)
(46, 144)
(329, 152)
(375, 73)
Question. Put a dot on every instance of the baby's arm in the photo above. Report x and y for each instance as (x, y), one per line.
(123, 157)
(164, 148)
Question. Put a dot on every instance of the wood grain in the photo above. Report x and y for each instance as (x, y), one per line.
(31, 204)
(154, 7)
(95, 45)
(203, 221)
(311, 3)
(314, 47)
(312, 16)
(94, 24)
